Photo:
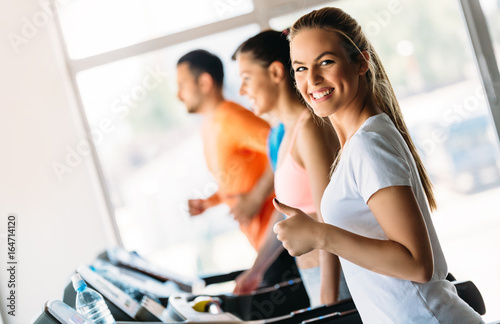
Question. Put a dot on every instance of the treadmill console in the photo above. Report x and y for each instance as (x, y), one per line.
(57, 312)
(132, 260)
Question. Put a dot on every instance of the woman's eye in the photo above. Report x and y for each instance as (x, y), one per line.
(326, 62)
(300, 69)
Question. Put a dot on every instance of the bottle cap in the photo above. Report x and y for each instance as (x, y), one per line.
(78, 283)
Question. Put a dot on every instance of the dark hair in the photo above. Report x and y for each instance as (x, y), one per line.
(267, 47)
(201, 61)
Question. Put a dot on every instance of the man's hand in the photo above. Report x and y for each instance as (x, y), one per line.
(245, 208)
(197, 206)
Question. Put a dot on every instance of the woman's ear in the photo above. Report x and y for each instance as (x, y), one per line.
(364, 59)
(276, 71)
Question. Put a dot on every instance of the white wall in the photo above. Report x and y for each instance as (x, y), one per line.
(60, 224)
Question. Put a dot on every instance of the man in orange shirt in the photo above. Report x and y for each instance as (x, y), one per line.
(234, 142)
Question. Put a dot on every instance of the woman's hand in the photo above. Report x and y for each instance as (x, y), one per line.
(248, 281)
(299, 233)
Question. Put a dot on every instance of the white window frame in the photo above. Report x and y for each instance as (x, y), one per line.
(480, 39)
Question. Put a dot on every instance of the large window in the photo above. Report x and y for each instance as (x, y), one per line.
(152, 156)
(153, 160)
(123, 58)
(91, 27)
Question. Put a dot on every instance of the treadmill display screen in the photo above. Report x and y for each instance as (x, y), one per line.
(65, 314)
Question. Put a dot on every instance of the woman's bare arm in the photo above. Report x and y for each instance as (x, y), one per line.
(406, 254)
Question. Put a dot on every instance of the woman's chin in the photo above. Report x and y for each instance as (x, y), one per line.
(259, 111)
(319, 112)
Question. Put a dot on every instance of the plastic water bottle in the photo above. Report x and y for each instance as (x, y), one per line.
(90, 303)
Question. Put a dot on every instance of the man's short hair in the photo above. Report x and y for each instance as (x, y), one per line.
(201, 61)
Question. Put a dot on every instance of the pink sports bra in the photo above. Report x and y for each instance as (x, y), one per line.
(291, 182)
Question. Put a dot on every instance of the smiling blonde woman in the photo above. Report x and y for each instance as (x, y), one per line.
(377, 206)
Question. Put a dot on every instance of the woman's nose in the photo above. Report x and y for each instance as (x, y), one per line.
(315, 77)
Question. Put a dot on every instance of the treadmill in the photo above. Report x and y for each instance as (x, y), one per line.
(135, 290)
(165, 298)
(182, 310)
(280, 303)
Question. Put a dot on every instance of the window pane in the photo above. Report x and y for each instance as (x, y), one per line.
(91, 27)
(491, 9)
(429, 60)
(151, 153)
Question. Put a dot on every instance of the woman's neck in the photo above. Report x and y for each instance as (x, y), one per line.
(288, 108)
(348, 120)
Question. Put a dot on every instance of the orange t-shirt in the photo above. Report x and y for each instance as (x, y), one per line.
(234, 142)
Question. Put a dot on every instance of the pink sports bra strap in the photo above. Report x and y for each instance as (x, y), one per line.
(296, 129)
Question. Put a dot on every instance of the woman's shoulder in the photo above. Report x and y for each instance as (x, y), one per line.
(315, 128)
(372, 145)
(317, 136)
(377, 132)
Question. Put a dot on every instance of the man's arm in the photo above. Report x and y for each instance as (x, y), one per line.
(198, 206)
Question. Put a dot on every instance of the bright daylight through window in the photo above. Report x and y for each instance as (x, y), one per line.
(153, 161)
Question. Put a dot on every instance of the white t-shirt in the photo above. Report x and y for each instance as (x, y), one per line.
(377, 157)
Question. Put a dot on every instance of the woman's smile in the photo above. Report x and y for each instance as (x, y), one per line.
(322, 94)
